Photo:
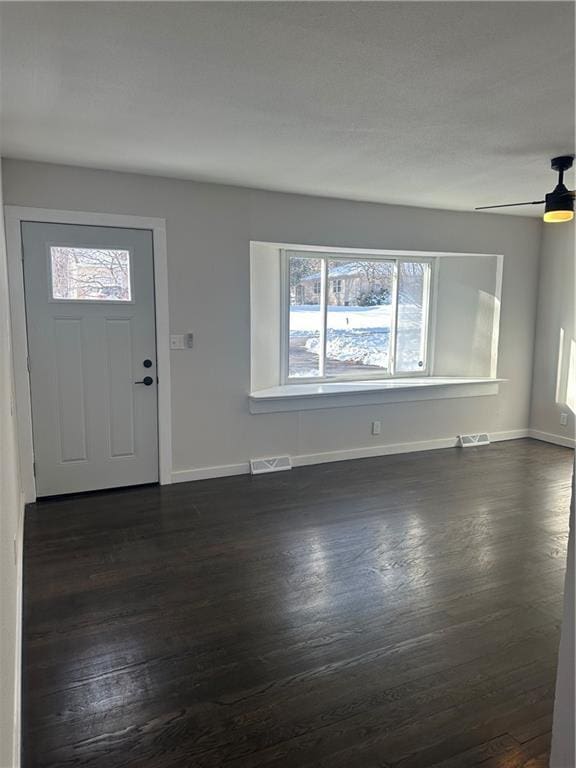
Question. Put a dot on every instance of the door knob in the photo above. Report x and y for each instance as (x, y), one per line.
(147, 381)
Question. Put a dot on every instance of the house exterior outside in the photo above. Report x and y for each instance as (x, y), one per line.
(349, 284)
(88, 273)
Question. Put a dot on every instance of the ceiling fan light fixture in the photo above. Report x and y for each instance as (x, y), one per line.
(555, 217)
(559, 206)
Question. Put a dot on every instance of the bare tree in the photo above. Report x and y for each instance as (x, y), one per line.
(376, 273)
(86, 272)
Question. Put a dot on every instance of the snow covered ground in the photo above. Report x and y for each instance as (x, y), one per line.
(305, 320)
(357, 334)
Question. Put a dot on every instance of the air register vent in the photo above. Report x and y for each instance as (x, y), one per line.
(469, 441)
(275, 464)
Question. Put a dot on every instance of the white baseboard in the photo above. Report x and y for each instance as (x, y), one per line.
(364, 452)
(510, 434)
(207, 473)
(370, 451)
(395, 448)
(548, 437)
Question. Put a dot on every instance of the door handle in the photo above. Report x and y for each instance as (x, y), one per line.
(147, 381)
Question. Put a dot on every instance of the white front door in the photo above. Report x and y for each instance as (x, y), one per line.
(92, 356)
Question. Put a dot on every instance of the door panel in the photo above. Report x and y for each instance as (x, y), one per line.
(70, 388)
(120, 386)
(91, 324)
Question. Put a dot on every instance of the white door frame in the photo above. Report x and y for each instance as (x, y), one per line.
(14, 216)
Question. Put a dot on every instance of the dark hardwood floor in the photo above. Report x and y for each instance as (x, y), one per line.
(400, 611)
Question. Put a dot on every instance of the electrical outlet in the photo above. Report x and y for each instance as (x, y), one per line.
(563, 419)
(181, 340)
(177, 341)
(376, 427)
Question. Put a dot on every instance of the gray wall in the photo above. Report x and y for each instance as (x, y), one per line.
(555, 311)
(550, 388)
(209, 228)
(10, 525)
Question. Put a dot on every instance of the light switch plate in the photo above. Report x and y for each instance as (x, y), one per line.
(177, 341)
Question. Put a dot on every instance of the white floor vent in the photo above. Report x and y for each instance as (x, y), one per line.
(276, 464)
(469, 441)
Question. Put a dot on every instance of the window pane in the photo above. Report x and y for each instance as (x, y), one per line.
(413, 288)
(87, 274)
(358, 317)
(305, 320)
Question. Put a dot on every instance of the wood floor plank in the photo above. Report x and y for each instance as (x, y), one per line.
(477, 755)
(528, 730)
(399, 611)
(532, 754)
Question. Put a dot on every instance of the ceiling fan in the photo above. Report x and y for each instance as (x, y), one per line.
(559, 204)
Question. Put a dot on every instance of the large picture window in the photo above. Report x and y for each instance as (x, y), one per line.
(355, 317)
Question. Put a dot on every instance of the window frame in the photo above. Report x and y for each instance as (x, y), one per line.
(327, 256)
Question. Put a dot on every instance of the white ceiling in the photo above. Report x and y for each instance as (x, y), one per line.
(447, 105)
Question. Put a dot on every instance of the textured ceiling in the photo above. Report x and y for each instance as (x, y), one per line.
(446, 105)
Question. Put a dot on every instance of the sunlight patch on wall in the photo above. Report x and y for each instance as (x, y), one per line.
(566, 373)
(485, 339)
(571, 383)
(559, 394)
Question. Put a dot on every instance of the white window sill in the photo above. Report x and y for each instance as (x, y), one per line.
(310, 396)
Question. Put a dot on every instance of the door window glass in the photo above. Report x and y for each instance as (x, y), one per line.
(90, 274)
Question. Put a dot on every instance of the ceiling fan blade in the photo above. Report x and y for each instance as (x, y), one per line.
(509, 205)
